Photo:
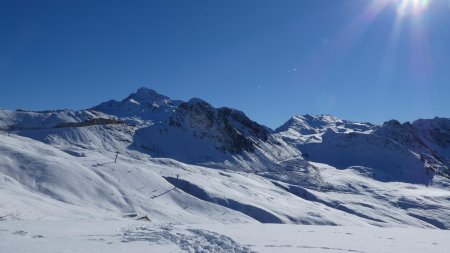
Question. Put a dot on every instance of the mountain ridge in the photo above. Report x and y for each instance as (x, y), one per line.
(202, 133)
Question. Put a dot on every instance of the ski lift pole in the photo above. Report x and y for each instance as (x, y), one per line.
(115, 159)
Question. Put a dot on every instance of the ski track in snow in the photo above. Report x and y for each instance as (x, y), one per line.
(190, 240)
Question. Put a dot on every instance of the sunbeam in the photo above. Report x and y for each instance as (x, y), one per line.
(341, 44)
(388, 63)
(412, 7)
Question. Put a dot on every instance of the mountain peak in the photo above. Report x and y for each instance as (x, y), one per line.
(309, 124)
(314, 124)
(146, 95)
(144, 104)
(145, 89)
(198, 101)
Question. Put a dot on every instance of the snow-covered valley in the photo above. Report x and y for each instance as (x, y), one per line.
(153, 174)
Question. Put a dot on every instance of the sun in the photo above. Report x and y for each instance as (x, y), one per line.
(412, 7)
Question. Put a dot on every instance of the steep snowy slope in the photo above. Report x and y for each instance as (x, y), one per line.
(394, 152)
(435, 133)
(199, 133)
(430, 137)
(403, 134)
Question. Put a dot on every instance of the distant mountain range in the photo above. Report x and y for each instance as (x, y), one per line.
(196, 132)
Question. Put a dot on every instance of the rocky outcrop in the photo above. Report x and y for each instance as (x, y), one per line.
(233, 130)
(92, 122)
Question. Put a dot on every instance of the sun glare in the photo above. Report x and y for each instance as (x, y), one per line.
(411, 7)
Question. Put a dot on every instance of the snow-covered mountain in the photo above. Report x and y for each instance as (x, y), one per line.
(148, 157)
(199, 133)
(430, 137)
(141, 106)
(192, 131)
(393, 151)
(196, 132)
(307, 125)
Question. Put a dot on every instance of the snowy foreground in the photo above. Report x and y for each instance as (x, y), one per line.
(128, 236)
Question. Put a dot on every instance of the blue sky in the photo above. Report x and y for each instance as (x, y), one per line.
(356, 59)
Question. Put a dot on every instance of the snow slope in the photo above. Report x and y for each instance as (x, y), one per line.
(138, 184)
(92, 181)
(22, 120)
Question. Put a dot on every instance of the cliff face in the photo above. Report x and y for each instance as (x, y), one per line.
(231, 129)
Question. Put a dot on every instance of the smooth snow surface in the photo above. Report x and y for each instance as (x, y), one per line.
(126, 236)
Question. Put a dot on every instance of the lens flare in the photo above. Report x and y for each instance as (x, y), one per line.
(412, 7)
(410, 15)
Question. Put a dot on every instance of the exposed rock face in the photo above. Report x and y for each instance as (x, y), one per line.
(429, 137)
(196, 132)
(436, 131)
(403, 134)
(227, 129)
(91, 122)
(231, 128)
